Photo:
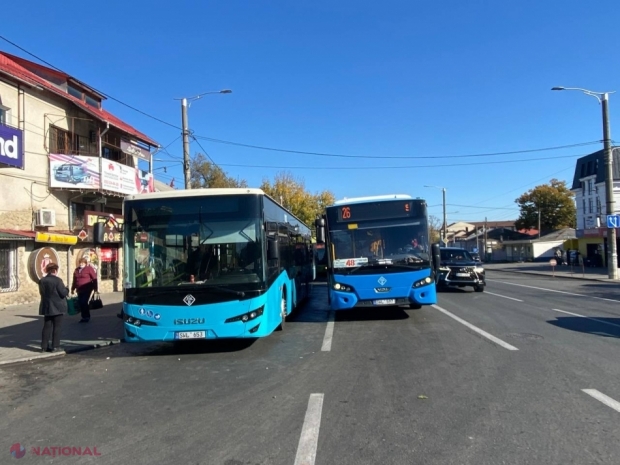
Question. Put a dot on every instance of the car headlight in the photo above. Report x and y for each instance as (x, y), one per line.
(479, 269)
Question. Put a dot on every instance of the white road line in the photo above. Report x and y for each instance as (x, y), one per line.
(490, 337)
(504, 296)
(587, 317)
(608, 401)
(329, 334)
(306, 450)
(554, 290)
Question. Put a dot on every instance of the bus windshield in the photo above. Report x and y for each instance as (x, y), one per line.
(402, 245)
(192, 242)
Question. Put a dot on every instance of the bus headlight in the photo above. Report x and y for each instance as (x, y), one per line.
(423, 282)
(342, 287)
(249, 316)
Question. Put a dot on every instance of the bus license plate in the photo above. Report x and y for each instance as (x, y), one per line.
(385, 302)
(190, 335)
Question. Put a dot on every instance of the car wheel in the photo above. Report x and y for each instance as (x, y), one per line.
(479, 288)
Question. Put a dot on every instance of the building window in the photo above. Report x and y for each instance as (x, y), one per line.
(4, 114)
(60, 141)
(73, 91)
(598, 206)
(583, 205)
(109, 263)
(91, 101)
(590, 186)
(590, 205)
(8, 267)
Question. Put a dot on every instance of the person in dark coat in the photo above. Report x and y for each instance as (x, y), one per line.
(84, 282)
(53, 306)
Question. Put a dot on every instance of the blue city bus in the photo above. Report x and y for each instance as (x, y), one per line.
(379, 253)
(211, 263)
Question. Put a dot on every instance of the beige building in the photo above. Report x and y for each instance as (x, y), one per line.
(65, 163)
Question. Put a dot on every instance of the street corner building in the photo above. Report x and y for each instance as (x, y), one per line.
(65, 164)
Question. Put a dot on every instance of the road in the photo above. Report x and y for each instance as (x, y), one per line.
(524, 373)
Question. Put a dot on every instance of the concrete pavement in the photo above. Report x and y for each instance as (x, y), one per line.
(21, 325)
(544, 269)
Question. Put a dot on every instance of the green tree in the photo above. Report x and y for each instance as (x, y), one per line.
(206, 174)
(555, 203)
(434, 225)
(292, 194)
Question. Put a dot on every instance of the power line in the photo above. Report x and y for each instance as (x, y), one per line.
(398, 167)
(207, 153)
(96, 90)
(320, 154)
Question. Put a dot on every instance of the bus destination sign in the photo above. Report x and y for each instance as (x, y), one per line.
(375, 211)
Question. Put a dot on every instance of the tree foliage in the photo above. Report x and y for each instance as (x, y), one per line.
(556, 205)
(434, 225)
(292, 194)
(206, 174)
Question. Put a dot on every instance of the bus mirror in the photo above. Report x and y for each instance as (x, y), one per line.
(436, 257)
(320, 230)
(99, 233)
(273, 251)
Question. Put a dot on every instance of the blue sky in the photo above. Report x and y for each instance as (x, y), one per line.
(379, 79)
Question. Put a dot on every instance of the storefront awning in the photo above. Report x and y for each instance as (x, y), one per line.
(15, 235)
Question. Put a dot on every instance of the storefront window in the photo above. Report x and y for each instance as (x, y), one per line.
(109, 263)
(8, 267)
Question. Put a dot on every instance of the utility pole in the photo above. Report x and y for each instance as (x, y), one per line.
(185, 144)
(445, 219)
(538, 222)
(612, 256)
(485, 237)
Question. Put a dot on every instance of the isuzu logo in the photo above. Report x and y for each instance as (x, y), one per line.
(189, 321)
(382, 289)
(189, 300)
(382, 281)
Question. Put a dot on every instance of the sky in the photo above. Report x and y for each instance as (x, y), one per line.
(433, 81)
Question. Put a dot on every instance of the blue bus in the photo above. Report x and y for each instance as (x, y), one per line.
(379, 253)
(211, 263)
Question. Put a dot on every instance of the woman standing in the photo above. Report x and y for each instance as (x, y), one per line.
(84, 282)
(53, 306)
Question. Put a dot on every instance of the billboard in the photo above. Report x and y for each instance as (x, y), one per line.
(11, 147)
(76, 171)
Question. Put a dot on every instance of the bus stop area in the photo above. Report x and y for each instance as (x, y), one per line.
(21, 326)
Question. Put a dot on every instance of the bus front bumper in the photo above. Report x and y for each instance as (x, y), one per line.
(425, 295)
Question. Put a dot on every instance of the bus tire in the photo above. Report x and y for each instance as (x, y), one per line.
(415, 306)
(283, 305)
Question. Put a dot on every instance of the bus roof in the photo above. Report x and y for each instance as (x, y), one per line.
(195, 193)
(373, 198)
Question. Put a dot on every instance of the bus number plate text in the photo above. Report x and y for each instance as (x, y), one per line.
(385, 302)
(191, 335)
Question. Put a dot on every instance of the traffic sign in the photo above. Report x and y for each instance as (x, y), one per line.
(613, 221)
(553, 262)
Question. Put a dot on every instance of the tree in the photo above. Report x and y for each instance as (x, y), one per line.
(434, 224)
(555, 203)
(206, 174)
(292, 194)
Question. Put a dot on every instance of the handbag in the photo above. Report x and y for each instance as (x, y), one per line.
(73, 306)
(95, 302)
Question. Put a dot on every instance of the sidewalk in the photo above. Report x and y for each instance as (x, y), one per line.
(544, 269)
(21, 325)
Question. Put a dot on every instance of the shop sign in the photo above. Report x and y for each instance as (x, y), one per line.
(135, 150)
(39, 259)
(112, 234)
(56, 238)
(11, 146)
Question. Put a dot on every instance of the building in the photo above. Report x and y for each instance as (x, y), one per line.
(65, 163)
(589, 189)
(540, 248)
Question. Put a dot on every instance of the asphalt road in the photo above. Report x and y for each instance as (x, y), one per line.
(524, 373)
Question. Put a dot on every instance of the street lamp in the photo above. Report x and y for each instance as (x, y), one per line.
(445, 224)
(603, 99)
(184, 106)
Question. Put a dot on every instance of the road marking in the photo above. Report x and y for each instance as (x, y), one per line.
(608, 401)
(490, 337)
(504, 296)
(553, 290)
(329, 333)
(306, 450)
(587, 317)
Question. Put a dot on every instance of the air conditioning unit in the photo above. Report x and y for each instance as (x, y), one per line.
(46, 217)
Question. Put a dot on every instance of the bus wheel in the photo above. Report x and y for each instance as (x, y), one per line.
(282, 311)
(415, 306)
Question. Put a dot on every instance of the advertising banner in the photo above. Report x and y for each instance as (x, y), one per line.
(11, 147)
(70, 171)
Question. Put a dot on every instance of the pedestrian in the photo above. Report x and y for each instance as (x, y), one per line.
(53, 306)
(84, 282)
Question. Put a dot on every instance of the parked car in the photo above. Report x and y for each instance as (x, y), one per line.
(459, 269)
(73, 174)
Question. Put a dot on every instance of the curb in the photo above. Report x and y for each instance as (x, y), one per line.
(600, 280)
(42, 356)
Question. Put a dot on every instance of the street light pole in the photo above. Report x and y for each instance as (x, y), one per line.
(185, 132)
(612, 255)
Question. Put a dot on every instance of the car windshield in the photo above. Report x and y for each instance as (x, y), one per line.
(455, 255)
